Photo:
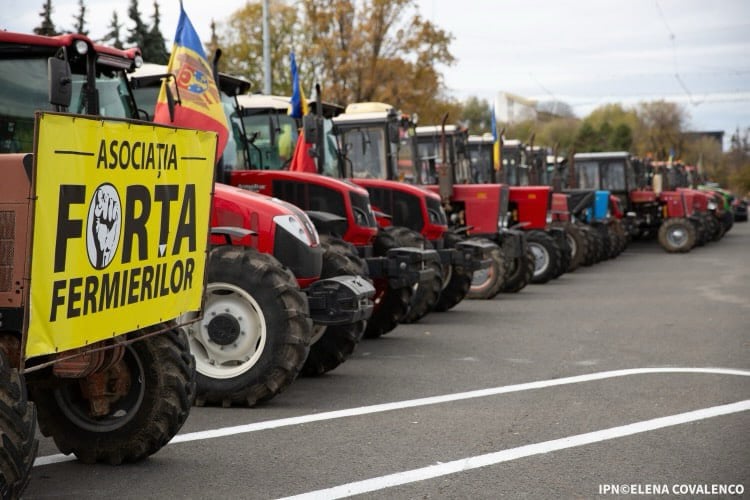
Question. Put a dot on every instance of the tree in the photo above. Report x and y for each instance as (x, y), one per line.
(738, 161)
(477, 115)
(139, 33)
(47, 27)
(113, 35)
(153, 48)
(549, 110)
(80, 19)
(660, 129)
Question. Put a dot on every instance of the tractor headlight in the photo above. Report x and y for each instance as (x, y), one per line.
(712, 205)
(306, 233)
(549, 217)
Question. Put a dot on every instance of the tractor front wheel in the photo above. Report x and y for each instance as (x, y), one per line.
(150, 392)
(677, 235)
(255, 333)
(488, 282)
(547, 256)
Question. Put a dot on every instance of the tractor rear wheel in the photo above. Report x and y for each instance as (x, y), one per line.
(157, 380)
(488, 282)
(335, 343)
(18, 443)
(576, 242)
(255, 333)
(677, 235)
(456, 279)
(547, 256)
(391, 304)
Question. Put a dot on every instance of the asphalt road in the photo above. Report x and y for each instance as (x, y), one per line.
(632, 375)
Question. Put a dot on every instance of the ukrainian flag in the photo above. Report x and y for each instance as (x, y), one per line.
(299, 103)
(495, 142)
(201, 106)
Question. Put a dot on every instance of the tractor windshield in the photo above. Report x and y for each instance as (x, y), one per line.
(613, 176)
(331, 154)
(25, 90)
(588, 174)
(365, 148)
(480, 156)
(272, 137)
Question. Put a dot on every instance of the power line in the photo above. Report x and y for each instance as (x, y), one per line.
(672, 39)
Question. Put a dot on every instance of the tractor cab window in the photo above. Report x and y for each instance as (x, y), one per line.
(429, 158)
(613, 176)
(234, 155)
(588, 174)
(25, 90)
(331, 153)
(365, 148)
(480, 156)
(271, 138)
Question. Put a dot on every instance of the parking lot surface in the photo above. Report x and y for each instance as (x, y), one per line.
(626, 377)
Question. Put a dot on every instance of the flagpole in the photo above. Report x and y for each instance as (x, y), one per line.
(266, 50)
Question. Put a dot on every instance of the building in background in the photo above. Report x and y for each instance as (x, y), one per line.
(511, 108)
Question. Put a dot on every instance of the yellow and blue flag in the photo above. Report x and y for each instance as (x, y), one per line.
(298, 101)
(201, 106)
(495, 141)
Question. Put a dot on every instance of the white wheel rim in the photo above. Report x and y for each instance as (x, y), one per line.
(230, 360)
(573, 245)
(541, 258)
(677, 236)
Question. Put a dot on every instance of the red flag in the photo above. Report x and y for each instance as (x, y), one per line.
(301, 159)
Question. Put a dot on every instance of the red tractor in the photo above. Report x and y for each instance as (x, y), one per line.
(320, 160)
(651, 207)
(375, 138)
(103, 351)
(278, 301)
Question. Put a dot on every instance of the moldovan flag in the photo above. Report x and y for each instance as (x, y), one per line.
(200, 106)
(299, 103)
(495, 142)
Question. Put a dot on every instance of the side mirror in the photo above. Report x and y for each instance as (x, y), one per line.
(60, 82)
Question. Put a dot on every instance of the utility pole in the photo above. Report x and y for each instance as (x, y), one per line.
(266, 51)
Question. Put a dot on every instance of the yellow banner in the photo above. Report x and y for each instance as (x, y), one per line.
(120, 228)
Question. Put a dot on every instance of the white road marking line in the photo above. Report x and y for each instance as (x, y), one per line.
(464, 464)
(399, 405)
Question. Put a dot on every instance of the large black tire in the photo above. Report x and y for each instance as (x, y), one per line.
(425, 296)
(621, 235)
(547, 256)
(576, 243)
(605, 243)
(456, 279)
(487, 283)
(255, 333)
(335, 343)
(18, 443)
(519, 273)
(391, 304)
(592, 245)
(159, 395)
(677, 235)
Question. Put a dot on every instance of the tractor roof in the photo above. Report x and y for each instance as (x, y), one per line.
(602, 156)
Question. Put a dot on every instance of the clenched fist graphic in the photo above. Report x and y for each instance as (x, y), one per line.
(103, 227)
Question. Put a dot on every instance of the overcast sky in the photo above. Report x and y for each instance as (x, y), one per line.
(583, 52)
